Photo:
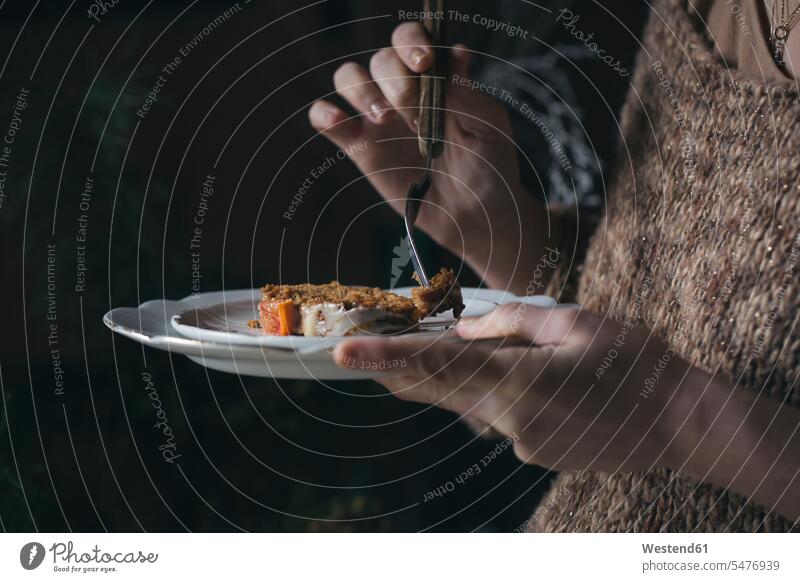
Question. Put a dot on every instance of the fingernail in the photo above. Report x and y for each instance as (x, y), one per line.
(329, 116)
(352, 356)
(379, 110)
(346, 357)
(467, 321)
(417, 55)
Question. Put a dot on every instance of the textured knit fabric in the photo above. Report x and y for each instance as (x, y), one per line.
(699, 243)
(739, 31)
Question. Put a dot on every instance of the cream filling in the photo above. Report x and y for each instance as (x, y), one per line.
(332, 319)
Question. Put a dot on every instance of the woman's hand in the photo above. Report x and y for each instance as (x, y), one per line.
(476, 206)
(578, 391)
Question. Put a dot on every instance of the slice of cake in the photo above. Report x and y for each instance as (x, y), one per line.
(340, 310)
(333, 310)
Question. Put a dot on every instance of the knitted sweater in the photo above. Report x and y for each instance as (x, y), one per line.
(699, 243)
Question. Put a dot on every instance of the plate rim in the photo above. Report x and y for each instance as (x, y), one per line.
(148, 325)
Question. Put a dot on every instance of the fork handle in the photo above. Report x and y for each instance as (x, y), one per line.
(433, 82)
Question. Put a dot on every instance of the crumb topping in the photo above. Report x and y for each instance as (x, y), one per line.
(443, 294)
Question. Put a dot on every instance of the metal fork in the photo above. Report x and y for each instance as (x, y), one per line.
(413, 202)
(431, 126)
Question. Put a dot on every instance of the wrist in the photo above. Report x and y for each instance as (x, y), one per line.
(686, 410)
(708, 424)
(509, 250)
(737, 440)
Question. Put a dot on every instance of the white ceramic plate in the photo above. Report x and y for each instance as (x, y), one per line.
(150, 324)
(227, 322)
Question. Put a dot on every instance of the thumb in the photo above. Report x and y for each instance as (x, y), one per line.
(460, 57)
(461, 89)
(477, 102)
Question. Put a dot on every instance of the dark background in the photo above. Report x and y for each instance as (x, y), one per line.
(255, 454)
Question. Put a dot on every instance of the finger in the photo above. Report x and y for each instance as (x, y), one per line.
(447, 362)
(398, 356)
(334, 123)
(352, 81)
(540, 326)
(398, 84)
(412, 44)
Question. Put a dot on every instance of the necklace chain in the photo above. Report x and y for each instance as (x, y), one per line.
(780, 31)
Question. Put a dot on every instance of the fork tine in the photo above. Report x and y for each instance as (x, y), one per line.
(412, 250)
(413, 202)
